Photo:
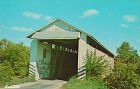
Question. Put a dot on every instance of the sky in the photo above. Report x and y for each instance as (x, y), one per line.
(110, 21)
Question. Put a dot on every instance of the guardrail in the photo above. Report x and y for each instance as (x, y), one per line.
(81, 72)
(31, 70)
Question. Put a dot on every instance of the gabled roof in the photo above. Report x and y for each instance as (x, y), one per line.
(59, 20)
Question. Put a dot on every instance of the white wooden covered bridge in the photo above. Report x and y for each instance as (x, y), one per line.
(58, 51)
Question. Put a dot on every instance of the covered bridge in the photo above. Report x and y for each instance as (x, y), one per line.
(58, 51)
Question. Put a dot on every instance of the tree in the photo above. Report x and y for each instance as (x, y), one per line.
(127, 53)
(6, 72)
(125, 73)
(13, 57)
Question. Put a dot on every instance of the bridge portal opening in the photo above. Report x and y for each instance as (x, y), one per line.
(64, 59)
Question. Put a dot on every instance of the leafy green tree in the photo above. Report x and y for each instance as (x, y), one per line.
(6, 72)
(138, 68)
(17, 58)
(20, 57)
(125, 75)
(127, 53)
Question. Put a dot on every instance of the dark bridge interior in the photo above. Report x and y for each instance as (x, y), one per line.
(64, 58)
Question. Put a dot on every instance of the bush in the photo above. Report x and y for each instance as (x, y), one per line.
(87, 83)
(123, 77)
(95, 66)
(138, 68)
(126, 69)
(14, 60)
(6, 72)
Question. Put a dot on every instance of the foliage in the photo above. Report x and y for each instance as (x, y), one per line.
(125, 75)
(138, 68)
(127, 53)
(6, 72)
(87, 83)
(95, 66)
(14, 60)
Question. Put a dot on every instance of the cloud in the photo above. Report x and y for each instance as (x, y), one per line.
(47, 18)
(37, 16)
(21, 29)
(90, 12)
(124, 25)
(32, 15)
(130, 18)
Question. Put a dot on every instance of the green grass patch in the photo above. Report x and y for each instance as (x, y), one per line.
(87, 83)
(17, 81)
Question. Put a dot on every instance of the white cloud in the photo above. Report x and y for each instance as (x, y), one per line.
(21, 29)
(32, 15)
(90, 12)
(124, 25)
(47, 18)
(37, 16)
(130, 18)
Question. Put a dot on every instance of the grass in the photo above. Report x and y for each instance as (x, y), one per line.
(1, 85)
(17, 81)
(87, 83)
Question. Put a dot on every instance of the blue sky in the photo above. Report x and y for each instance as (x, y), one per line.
(110, 21)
